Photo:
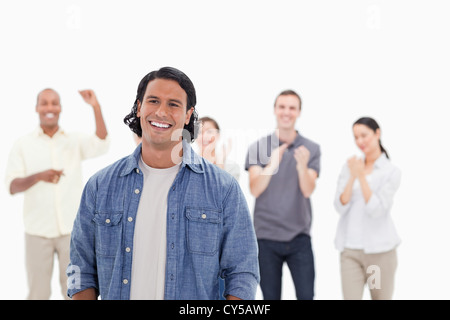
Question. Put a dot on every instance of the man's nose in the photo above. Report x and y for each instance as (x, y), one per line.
(52, 107)
(162, 110)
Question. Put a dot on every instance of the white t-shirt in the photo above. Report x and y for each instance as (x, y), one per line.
(149, 243)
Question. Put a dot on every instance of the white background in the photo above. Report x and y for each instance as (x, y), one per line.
(347, 59)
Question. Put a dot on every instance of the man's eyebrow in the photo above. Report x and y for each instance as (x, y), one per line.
(176, 100)
(155, 97)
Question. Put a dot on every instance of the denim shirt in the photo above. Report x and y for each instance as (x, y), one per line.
(209, 233)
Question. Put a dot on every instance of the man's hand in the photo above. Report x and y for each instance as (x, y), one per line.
(23, 184)
(89, 97)
(51, 175)
(302, 154)
(259, 177)
(277, 155)
(306, 176)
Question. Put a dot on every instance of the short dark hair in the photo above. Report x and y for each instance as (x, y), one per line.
(289, 92)
(47, 89)
(170, 73)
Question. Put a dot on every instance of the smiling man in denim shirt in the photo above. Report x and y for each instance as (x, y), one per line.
(163, 223)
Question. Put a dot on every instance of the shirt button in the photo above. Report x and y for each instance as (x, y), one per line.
(137, 170)
(203, 216)
(173, 245)
(173, 216)
(127, 249)
(173, 188)
(125, 281)
(107, 221)
(172, 277)
(136, 191)
(130, 219)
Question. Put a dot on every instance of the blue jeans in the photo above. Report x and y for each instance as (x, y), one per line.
(299, 257)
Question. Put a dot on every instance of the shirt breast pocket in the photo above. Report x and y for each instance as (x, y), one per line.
(203, 230)
(108, 234)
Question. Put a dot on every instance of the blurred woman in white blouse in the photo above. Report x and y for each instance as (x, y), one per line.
(208, 141)
(366, 236)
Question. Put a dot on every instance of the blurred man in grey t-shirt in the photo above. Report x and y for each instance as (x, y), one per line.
(283, 168)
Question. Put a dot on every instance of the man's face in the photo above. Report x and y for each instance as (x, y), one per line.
(48, 107)
(163, 113)
(287, 110)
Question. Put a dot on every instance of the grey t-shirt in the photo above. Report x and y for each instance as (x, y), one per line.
(281, 212)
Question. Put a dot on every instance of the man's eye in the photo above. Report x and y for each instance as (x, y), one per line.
(173, 105)
(153, 101)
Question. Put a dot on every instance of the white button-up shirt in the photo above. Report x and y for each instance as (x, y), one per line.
(49, 209)
(368, 226)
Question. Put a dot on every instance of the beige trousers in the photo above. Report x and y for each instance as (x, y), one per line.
(377, 271)
(39, 256)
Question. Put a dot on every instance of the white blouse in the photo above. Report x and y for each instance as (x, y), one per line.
(368, 226)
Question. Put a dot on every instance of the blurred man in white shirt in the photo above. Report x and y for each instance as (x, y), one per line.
(45, 165)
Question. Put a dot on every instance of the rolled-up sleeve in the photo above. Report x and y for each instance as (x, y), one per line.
(15, 166)
(342, 182)
(239, 260)
(82, 269)
(382, 199)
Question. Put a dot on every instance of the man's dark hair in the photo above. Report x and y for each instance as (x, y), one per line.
(289, 92)
(169, 73)
(47, 89)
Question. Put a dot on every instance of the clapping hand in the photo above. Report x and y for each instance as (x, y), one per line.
(356, 166)
(302, 154)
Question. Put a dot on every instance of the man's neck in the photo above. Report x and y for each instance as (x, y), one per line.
(162, 158)
(50, 131)
(286, 135)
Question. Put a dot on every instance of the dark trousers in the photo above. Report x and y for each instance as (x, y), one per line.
(299, 257)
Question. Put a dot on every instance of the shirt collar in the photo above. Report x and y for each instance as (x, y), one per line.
(190, 159)
(381, 161)
(275, 141)
(40, 132)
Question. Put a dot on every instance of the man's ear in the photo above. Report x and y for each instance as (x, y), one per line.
(138, 108)
(188, 115)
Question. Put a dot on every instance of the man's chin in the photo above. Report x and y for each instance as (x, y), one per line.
(49, 124)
